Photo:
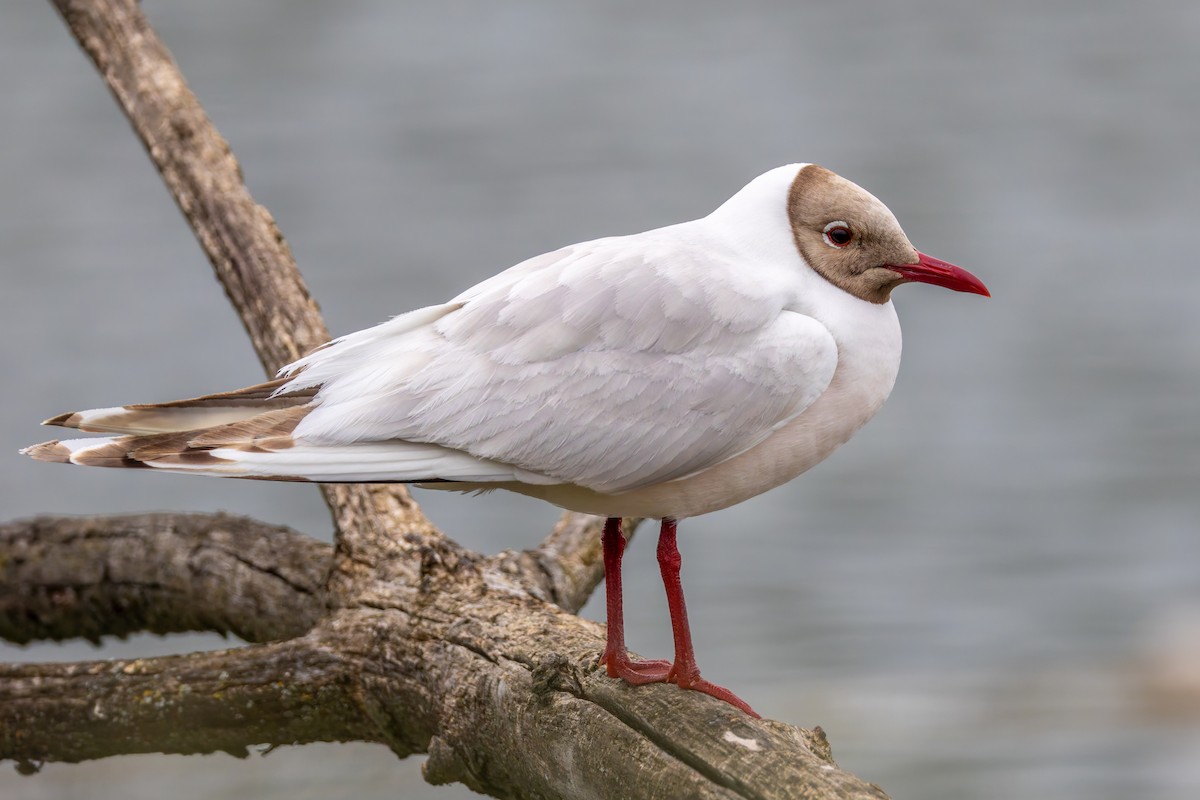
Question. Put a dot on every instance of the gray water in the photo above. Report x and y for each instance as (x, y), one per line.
(993, 592)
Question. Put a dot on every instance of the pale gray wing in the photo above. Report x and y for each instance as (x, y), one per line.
(611, 364)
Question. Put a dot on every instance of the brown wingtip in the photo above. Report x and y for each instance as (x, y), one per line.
(53, 452)
(68, 420)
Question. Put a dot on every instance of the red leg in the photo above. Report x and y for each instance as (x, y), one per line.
(616, 656)
(684, 672)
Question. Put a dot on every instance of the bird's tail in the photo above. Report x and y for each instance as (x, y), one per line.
(182, 434)
(208, 411)
(248, 434)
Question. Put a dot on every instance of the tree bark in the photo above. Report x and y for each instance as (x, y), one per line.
(65, 578)
(396, 634)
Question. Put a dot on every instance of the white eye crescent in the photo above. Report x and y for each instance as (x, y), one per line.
(837, 234)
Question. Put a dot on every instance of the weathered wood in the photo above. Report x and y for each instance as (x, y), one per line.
(501, 689)
(240, 237)
(568, 566)
(225, 701)
(244, 245)
(423, 645)
(89, 577)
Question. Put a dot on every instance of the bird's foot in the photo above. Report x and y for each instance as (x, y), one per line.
(688, 677)
(637, 673)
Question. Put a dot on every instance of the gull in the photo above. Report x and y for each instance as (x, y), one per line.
(663, 374)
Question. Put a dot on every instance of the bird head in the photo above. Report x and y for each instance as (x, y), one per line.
(852, 240)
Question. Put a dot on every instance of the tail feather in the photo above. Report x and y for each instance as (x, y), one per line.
(98, 452)
(259, 426)
(54, 452)
(208, 411)
(365, 462)
(261, 446)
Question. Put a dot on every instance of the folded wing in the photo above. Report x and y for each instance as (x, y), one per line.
(610, 365)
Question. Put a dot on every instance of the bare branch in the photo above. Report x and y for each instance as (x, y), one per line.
(506, 695)
(383, 539)
(239, 236)
(66, 577)
(250, 258)
(501, 689)
(284, 693)
(568, 565)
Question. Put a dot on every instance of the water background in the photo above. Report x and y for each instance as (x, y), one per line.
(987, 595)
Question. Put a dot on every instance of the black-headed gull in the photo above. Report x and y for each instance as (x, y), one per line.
(664, 374)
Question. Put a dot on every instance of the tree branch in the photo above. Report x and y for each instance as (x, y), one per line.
(65, 577)
(513, 704)
(568, 565)
(240, 237)
(283, 693)
(501, 689)
(251, 259)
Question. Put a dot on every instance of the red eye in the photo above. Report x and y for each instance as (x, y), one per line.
(838, 234)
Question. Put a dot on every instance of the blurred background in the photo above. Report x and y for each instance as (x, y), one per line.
(992, 592)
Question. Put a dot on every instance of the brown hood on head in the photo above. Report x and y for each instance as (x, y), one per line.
(853, 241)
